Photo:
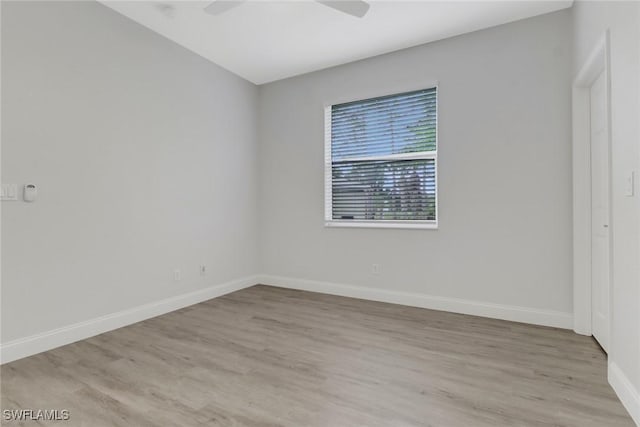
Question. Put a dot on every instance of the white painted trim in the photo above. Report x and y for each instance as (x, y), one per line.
(424, 225)
(38, 343)
(597, 62)
(636, 190)
(328, 162)
(627, 393)
(420, 155)
(496, 311)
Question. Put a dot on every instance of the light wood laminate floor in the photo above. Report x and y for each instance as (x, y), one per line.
(266, 356)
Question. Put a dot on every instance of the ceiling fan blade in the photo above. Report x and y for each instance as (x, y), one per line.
(220, 6)
(357, 8)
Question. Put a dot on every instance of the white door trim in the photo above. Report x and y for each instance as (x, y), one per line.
(596, 63)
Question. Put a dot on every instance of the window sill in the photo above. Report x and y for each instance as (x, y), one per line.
(424, 225)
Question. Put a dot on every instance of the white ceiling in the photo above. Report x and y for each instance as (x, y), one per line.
(264, 40)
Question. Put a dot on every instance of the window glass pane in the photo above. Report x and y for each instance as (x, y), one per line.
(403, 123)
(384, 190)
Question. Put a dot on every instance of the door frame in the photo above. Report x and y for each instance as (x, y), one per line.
(596, 63)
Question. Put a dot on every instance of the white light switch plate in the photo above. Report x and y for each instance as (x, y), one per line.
(629, 184)
(9, 192)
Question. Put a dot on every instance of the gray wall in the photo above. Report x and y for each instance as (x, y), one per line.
(504, 171)
(144, 155)
(622, 19)
(146, 160)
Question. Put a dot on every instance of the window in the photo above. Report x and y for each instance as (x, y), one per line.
(380, 161)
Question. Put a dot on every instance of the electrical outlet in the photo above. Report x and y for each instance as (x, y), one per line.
(375, 268)
(177, 276)
(203, 270)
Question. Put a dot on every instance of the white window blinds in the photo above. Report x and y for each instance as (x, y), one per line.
(380, 160)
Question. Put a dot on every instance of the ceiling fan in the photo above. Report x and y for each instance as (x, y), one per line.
(356, 8)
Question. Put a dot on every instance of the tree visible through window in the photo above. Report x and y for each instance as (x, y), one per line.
(381, 159)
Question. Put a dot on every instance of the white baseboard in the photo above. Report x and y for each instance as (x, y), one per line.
(38, 343)
(627, 393)
(534, 316)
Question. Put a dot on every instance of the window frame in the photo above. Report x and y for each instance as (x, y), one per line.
(328, 176)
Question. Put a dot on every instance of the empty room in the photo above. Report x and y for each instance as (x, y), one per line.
(309, 213)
